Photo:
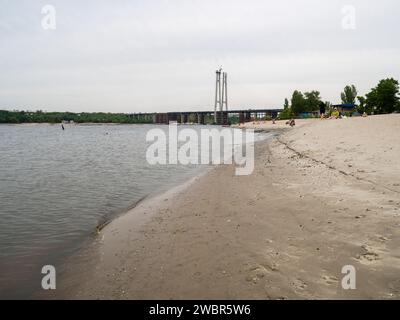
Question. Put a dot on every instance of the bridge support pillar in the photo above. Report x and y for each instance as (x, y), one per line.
(241, 117)
(202, 117)
(222, 117)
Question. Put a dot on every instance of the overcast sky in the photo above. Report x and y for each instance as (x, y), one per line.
(160, 55)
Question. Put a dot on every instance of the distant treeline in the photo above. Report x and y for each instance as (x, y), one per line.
(57, 117)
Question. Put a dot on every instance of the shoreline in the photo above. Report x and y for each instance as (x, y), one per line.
(89, 253)
(82, 262)
(82, 255)
(284, 232)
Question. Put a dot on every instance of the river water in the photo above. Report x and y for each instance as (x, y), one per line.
(56, 186)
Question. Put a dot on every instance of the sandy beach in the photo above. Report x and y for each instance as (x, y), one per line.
(323, 195)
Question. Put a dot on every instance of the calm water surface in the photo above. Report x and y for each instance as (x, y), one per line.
(57, 186)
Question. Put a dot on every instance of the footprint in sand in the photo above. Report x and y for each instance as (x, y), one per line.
(299, 285)
(383, 239)
(256, 273)
(330, 280)
(367, 255)
(395, 287)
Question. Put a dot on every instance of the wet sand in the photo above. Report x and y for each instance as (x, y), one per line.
(323, 195)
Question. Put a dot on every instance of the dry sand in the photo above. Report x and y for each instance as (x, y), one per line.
(323, 195)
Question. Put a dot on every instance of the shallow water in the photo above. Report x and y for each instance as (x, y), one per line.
(57, 186)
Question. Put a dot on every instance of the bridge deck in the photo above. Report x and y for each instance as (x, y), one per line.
(222, 117)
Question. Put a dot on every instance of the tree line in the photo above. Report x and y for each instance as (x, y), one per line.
(384, 98)
(57, 117)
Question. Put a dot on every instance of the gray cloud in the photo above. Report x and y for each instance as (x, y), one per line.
(136, 56)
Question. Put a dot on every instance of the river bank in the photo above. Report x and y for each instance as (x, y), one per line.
(57, 186)
(322, 196)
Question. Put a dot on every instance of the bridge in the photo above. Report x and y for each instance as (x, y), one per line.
(219, 116)
(201, 117)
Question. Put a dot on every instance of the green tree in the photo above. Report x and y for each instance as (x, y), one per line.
(286, 105)
(313, 101)
(349, 94)
(371, 100)
(287, 111)
(56, 117)
(298, 102)
(362, 105)
(384, 97)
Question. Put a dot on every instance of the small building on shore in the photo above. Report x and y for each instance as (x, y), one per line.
(346, 107)
(310, 114)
